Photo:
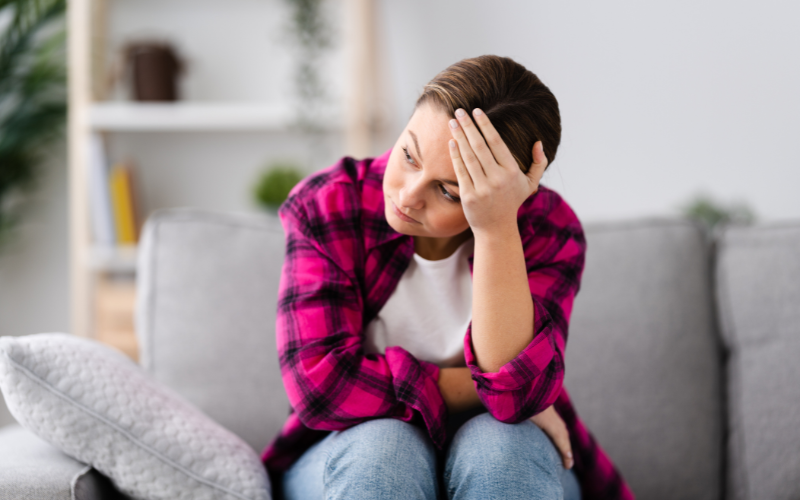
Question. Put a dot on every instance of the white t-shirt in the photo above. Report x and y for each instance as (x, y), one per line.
(429, 311)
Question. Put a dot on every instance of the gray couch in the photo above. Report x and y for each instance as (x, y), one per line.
(681, 355)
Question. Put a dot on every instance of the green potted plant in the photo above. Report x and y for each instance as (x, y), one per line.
(274, 184)
(32, 98)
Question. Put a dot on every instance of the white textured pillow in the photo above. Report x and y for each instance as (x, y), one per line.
(98, 406)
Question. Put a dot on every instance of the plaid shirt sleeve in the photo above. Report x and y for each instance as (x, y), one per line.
(554, 248)
(330, 382)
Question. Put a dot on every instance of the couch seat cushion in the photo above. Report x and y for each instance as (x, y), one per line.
(32, 468)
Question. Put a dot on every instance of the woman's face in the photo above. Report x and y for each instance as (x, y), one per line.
(419, 187)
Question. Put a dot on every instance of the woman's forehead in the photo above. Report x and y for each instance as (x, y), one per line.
(428, 133)
(431, 119)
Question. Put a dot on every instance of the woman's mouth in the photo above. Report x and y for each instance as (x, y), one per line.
(403, 217)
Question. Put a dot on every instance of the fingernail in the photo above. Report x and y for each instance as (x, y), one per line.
(460, 113)
(477, 112)
(452, 144)
(454, 123)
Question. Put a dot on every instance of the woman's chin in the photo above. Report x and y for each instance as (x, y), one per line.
(396, 223)
(401, 226)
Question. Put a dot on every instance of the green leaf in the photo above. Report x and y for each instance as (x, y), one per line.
(32, 97)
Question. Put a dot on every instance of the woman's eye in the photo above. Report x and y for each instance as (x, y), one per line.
(448, 195)
(409, 159)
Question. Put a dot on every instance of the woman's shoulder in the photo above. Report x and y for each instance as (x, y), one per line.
(548, 208)
(341, 190)
(552, 234)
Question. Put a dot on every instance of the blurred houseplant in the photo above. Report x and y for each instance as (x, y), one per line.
(275, 183)
(310, 38)
(712, 213)
(32, 97)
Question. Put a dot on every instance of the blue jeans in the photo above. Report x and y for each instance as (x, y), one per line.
(387, 459)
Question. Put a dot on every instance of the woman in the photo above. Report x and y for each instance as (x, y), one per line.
(429, 288)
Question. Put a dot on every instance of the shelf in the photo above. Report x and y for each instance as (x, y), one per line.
(189, 117)
(113, 259)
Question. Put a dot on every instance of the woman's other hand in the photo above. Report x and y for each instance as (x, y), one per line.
(492, 187)
(555, 428)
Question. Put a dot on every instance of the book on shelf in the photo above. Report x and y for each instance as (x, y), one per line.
(114, 201)
(126, 218)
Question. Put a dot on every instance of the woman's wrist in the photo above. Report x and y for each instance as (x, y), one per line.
(506, 230)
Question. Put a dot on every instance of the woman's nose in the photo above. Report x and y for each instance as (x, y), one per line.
(411, 196)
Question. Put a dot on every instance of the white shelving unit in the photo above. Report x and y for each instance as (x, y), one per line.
(109, 117)
(188, 117)
(89, 114)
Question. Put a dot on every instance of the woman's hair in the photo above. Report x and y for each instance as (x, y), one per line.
(520, 106)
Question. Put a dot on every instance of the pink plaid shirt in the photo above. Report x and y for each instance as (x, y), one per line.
(343, 261)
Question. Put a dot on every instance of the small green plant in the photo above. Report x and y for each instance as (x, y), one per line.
(32, 98)
(712, 213)
(274, 185)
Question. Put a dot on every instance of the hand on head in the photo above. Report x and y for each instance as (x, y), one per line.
(491, 183)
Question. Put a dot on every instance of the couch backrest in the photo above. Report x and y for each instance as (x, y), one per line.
(758, 291)
(207, 295)
(643, 362)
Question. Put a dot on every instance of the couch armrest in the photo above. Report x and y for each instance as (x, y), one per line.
(32, 468)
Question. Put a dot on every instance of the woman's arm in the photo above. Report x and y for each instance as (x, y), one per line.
(330, 382)
(459, 394)
(492, 188)
(458, 390)
(514, 379)
(502, 309)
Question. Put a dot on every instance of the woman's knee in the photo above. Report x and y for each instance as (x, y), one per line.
(518, 454)
(492, 437)
(380, 455)
(382, 440)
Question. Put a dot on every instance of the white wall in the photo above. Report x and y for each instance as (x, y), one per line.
(34, 276)
(659, 100)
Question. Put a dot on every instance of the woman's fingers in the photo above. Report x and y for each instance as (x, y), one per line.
(539, 163)
(468, 155)
(536, 170)
(462, 174)
(561, 440)
(553, 425)
(476, 141)
(495, 143)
